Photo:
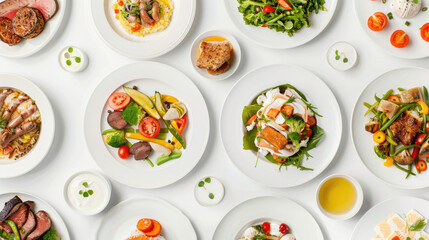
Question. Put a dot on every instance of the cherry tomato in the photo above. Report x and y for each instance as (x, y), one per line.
(136, 28)
(119, 101)
(124, 152)
(268, 9)
(427, 127)
(394, 98)
(309, 133)
(116, 11)
(121, 3)
(399, 39)
(284, 4)
(311, 121)
(396, 238)
(420, 139)
(149, 127)
(264, 25)
(377, 21)
(284, 229)
(266, 226)
(421, 165)
(424, 32)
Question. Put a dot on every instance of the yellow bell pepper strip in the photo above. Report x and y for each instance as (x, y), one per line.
(138, 136)
(425, 108)
(166, 98)
(179, 125)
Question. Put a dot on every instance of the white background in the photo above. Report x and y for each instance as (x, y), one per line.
(69, 92)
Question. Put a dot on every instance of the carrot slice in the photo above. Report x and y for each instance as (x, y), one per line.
(156, 229)
(145, 225)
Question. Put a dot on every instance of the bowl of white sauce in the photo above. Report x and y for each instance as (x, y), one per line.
(88, 193)
(73, 59)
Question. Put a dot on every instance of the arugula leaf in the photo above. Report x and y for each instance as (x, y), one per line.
(249, 111)
(249, 140)
(259, 228)
(418, 226)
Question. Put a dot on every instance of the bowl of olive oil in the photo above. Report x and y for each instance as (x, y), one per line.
(339, 197)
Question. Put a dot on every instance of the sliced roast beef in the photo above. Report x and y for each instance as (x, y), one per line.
(5, 227)
(29, 225)
(47, 7)
(116, 121)
(43, 225)
(8, 207)
(20, 216)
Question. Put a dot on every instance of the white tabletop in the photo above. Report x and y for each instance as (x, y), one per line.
(69, 93)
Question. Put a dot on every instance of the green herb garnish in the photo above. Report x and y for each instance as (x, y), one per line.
(202, 184)
(407, 23)
(418, 226)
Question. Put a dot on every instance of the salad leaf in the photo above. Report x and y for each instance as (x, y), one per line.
(249, 140)
(418, 226)
(249, 111)
(259, 229)
(318, 134)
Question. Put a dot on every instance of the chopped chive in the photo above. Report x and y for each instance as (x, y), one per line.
(211, 195)
(407, 23)
(390, 15)
(85, 184)
(424, 9)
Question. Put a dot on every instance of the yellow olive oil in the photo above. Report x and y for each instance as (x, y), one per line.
(337, 196)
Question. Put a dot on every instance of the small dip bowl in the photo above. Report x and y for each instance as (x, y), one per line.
(212, 36)
(209, 191)
(73, 59)
(87, 192)
(344, 189)
(342, 56)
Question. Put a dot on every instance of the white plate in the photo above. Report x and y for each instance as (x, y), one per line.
(14, 168)
(236, 54)
(39, 204)
(365, 227)
(232, 129)
(150, 46)
(418, 48)
(261, 209)
(151, 77)
(122, 219)
(364, 145)
(276, 40)
(29, 47)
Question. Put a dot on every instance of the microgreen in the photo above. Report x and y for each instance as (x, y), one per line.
(202, 184)
(86, 192)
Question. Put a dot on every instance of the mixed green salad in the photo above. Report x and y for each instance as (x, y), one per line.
(281, 15)
(281, 125)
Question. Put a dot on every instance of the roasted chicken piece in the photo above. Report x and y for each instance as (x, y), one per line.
(372, 126)
(406, 127)
(273, 137)
(388, 107)
(214, 55)
(411, 95)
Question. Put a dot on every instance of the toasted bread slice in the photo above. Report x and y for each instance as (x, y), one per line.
(214, 55)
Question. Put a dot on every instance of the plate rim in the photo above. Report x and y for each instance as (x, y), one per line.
(222, 115)
(45, 203)
(334, 2)
(352, 120)
(52, 127)
(139, 65)
(148, 57)
(61, 14)
(138, 199)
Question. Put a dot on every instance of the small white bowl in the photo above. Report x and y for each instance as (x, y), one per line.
(342, 50)
(72, 56)
(235, 61)
(104, 181)
(359, 198)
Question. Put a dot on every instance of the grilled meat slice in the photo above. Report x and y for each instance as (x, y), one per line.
(47, 7)
(24, 115)
(372, 126)
(155, 11)
(8, 207)
(220, 70)
(214, 55)
(140, 150)
(116, 121)
(144, 16)
(5, 227)
(20, 216)
(388, 107)
(13, 105)
(411, 95)
(273, 137)
(43, 225)
(384, 148)
(28, 22)
(406, 127)
(29, 225)
(6, 137)
(6, 32)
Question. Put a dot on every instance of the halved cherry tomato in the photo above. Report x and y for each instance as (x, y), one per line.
(399, 39)
(377, 21)
(119, 101)
(396, 238)
(156, 229)
(394, 98)
(311, 121)
(268, 9)
(136, 28)
(116, 11)
(266, 226)
(420, 139)
(149, 127)
(379, 137)
(424, 32)
(124, 152)
(121, 3)
(421, 165)
(145, 225)
(152, 23)
(284, 4)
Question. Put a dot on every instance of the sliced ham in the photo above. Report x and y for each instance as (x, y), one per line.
(47, 7)
(43, 225)
(29, 225)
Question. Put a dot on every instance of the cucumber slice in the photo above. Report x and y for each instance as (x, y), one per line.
(144, 101)
(159, 105)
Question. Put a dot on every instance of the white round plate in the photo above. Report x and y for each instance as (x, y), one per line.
(150, 77)
(28, 47)
(232, 129)
(418, 48)
(364, 229)
(14, 168)
(236, 54)
(362, 140)
(150, 46)
(269, 38)
(261, 209)
(122, 219)
(39, 204)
